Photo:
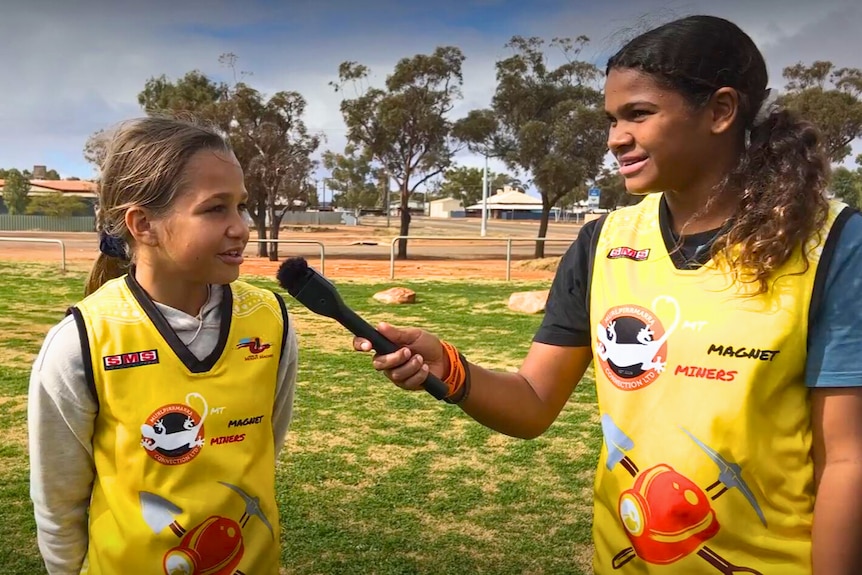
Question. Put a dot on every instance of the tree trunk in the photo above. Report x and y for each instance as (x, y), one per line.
(260, 225)
(278, 218)
(405, 221)
(543, 230)
(274, 224)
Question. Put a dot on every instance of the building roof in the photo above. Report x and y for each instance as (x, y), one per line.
(510, 199)
(70, 187)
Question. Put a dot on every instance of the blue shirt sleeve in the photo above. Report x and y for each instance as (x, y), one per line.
(835, 333)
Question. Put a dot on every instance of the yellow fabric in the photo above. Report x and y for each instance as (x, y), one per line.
(184, 461)
(701, 389)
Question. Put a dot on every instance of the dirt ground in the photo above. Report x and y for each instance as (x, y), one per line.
(360, 252)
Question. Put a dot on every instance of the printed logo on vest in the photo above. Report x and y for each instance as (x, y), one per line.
(255, 348)
(664, 500)
(214, 546)
(628, 253)
(133, 359)
(631, 344)
(174, 433)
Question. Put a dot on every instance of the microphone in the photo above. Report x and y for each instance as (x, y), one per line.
(319, 295)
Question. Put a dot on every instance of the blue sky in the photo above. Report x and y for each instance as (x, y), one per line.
(71, 68)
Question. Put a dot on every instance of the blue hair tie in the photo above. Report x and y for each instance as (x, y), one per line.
(113, 246)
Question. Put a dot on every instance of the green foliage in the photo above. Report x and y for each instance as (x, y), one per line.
(57, 204)
(16, 188)
(548, 121)
(274, 146)
(465, 184)
(49, 174)
(268, 136)
(847, 185)
(831, 98)
(404, 127)
(352, 179)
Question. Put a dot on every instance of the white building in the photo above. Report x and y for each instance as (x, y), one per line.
(444, 207)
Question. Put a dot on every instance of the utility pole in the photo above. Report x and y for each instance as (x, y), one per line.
(484, 198)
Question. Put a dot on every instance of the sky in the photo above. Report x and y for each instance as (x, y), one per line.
(72, 68)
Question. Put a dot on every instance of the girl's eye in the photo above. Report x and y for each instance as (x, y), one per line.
(216, 209)
(243, 207)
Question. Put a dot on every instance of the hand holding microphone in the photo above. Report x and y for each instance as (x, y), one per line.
(317, 294)
(407, 366)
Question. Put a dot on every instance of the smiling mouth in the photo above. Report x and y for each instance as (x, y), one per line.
(631, 165)
(232, 253)
(630, 161)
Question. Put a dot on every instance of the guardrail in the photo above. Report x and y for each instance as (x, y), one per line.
(319, 244)
(508, 241)
(43, 241)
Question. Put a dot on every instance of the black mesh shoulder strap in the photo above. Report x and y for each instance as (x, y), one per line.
(285, 320)
(86, 356)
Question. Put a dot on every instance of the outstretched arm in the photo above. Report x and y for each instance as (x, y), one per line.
(522, 404)
(526, 403)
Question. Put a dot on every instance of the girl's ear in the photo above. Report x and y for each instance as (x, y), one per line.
(140, 226)
(724, 109)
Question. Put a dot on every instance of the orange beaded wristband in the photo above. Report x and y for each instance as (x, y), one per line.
(458, 378)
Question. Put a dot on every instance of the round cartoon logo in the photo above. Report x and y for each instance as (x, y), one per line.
(631, 345)
(174, 434)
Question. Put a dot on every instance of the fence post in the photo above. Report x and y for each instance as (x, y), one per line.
(508, 259)
(43, 241)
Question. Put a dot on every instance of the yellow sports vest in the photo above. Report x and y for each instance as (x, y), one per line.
(704, 410)
(183, 448)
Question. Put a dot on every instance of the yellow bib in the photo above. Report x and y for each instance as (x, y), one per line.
(183, 448)
(704, 410)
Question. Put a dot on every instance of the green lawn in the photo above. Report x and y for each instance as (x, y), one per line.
(372, 479)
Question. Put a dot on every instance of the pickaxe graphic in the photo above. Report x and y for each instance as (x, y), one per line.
(159, 513)
(252, 508)
(617, 443)
(729, 476)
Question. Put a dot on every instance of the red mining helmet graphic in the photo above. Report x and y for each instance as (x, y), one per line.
(666, 516)
(213, 546)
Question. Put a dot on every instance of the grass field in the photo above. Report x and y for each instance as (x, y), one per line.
(372, 479)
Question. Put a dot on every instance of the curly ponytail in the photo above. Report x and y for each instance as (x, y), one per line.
(782, 176)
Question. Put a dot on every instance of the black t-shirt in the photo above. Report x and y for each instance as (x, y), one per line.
(567, 316)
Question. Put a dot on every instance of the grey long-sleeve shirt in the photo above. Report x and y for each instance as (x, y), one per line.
(61, 414)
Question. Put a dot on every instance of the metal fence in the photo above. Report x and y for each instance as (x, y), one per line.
(43, 241)
(319, 244)
(508, 241)
(21, 223)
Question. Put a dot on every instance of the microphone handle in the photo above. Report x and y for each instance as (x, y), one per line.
(360, 328)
